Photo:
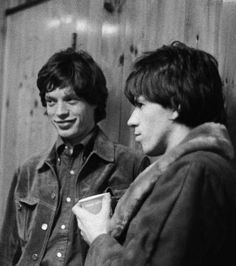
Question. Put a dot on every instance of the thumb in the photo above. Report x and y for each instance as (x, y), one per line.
(75, 209)
(78, 210)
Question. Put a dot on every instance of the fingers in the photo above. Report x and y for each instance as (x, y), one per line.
(79, 211)
(106, 204)
(79, 223)
(92, 225)
(75, 209)
(82, 234)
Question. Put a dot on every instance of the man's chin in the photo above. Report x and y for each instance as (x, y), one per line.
(65, 135)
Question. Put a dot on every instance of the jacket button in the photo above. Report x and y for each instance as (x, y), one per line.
(72, 172)
(68, 199)
(53, 195)
(35, 256)
(44, 227)
(19, 206)
(63, 227)
(59, 254)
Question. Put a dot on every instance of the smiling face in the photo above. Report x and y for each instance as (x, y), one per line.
(152, 125)
(72, 116)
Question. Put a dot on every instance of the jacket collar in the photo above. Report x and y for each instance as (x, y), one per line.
(103, 148)
(208, 137)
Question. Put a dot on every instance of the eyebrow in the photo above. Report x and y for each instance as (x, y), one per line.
(69, 93)
(49, 97)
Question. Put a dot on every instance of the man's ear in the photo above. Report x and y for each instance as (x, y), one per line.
(174, 115)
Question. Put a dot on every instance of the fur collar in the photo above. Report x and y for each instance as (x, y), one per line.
(209, 136)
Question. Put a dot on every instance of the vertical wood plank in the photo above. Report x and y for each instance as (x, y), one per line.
(133, 19)
(227, 59)
(202, 24)
(3, 6)
(8, 123)
(111, 57)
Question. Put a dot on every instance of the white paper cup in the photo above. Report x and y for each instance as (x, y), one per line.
(92, 204)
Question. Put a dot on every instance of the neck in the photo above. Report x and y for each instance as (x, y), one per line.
(82, 139)
(177, 135)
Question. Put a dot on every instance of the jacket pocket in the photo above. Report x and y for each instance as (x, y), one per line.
(25, 213)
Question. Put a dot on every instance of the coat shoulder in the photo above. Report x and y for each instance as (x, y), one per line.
(210, 160)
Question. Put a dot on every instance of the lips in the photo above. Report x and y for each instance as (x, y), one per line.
(137, 136)
(64, 124)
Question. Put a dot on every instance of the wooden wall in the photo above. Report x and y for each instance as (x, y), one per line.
(227, 60)
(3, 5)
(3, 185)
(115, 32)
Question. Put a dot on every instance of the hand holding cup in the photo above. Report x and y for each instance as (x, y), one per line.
(93, 216)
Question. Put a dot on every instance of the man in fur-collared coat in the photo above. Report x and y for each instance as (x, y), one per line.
(181, 210)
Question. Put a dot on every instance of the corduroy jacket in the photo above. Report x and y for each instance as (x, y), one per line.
(33, 197)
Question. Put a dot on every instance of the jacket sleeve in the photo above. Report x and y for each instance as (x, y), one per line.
(175, 226)
(10, 249)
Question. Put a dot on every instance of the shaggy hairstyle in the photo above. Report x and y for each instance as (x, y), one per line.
(180, 78)
(79, 71)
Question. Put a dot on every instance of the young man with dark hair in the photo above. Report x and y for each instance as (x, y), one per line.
(181, 210)
(39, 227)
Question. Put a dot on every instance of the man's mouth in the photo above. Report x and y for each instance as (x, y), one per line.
(137, 136)
(64, 123)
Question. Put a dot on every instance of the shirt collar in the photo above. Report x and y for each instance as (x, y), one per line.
(86, 143)
(103, 147)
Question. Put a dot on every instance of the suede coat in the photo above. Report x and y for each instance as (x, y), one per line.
(180, 211)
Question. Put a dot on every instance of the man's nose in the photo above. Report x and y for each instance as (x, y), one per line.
(62, 109)
(133, 120)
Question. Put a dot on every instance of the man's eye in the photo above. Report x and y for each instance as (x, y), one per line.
(72, 100)
(50, 102)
